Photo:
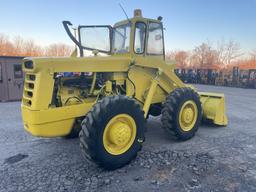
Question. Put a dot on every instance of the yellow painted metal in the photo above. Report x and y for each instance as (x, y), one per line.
(50, 129)
(158, 63)
(38, 97)
(213, 105)
(142, 78)
(130, 88)
(69, 95)
(42, 119)
(131, 71)
(149, 97)
(53, 122)
(75, 64)
(188, 115)
(119, 134)
(109, 86)
(117, 76)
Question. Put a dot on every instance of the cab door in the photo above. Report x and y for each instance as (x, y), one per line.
(155, 40)
(149, 44)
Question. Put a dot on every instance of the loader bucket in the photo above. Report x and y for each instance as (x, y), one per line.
(213, 105)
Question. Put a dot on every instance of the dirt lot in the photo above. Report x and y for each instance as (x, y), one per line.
(216, 159)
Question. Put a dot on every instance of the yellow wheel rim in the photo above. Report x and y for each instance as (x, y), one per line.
(119, 134)
(188, 115)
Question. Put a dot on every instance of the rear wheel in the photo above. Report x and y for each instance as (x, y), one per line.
(112, 132)
(155, 110)
(182, 113)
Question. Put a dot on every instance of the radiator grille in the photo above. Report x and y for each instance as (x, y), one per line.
(29, 86)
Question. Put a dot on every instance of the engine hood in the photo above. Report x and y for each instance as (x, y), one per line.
(74, 64)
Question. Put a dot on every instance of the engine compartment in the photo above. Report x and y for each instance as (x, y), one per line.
(77, 88)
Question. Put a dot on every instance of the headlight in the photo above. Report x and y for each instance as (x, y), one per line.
(28, 64)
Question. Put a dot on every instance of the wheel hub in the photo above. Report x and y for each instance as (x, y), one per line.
(119, 134)
(188, 115)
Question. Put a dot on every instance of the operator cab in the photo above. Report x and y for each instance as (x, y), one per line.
(137, 36)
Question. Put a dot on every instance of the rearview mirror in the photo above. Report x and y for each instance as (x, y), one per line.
(95, 38)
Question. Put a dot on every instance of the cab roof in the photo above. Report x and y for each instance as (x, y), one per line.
(137, 18)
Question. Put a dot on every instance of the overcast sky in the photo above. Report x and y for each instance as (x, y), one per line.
(188, 22)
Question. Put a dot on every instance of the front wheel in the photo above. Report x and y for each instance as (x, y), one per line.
(112, 132)
(182, 113)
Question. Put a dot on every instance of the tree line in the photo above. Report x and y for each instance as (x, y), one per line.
(221, 56)
(18, 46)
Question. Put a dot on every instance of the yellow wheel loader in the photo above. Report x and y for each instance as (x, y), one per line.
(106, 98)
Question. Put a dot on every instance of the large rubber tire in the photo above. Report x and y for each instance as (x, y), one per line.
(171, 111)
(94, 124)
(155, 110)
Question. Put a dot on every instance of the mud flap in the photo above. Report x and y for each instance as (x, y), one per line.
(213, 105)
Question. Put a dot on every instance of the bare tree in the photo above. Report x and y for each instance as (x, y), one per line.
(181, 58)
(58, 50)
(222, 55)
(253, 55)
(32, 49)
(204, 55)
(19, 46)
(228, 52)
(6, 47)
(170, 55)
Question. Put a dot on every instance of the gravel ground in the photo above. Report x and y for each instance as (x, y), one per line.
(216, 159)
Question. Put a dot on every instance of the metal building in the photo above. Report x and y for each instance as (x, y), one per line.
(11, 78)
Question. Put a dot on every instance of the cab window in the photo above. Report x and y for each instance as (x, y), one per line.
(121, 38)
(140, 34)
(155, 39)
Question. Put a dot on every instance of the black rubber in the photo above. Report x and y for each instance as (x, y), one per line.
(171, 109)
(91, 135)
(155, 109)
